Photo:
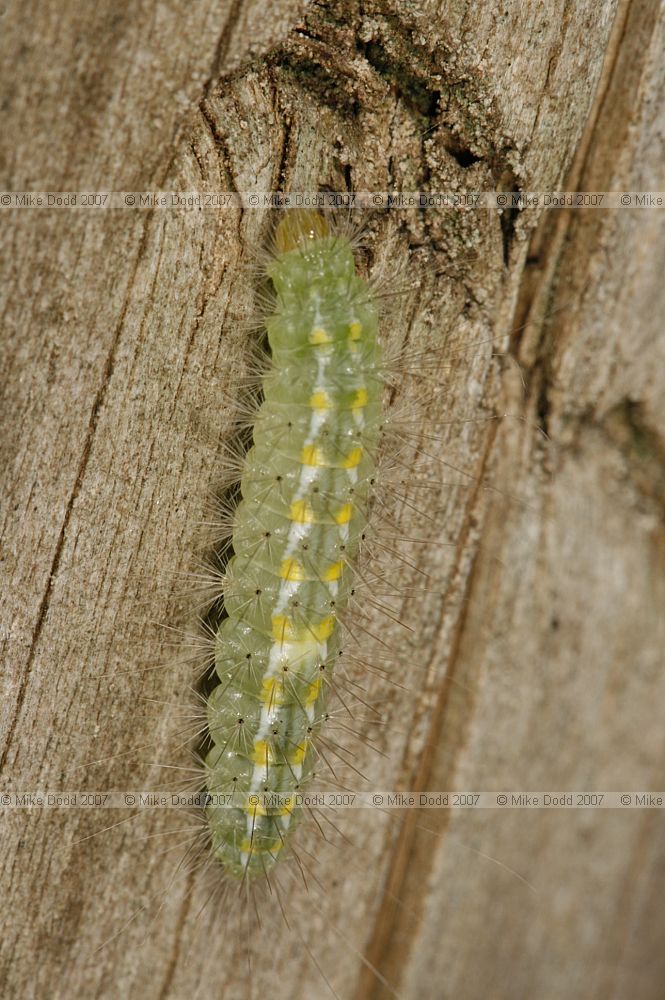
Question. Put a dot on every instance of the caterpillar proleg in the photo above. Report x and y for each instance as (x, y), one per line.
(305, 489)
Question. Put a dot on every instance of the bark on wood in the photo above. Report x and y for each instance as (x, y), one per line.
(536, 660)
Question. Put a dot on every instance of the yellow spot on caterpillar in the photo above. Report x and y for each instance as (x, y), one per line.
(284, 630)
(352, 459)
(323, 629)
(313, 692)
(315, 456)
(263, 753)
(255, 809)
(320, 400)
(248, 846)
(355, 330)
(297, 755)
(301, 512)
(344, 514)
(311, 455)
(319, 336)
(333, 572)
(292, 570)
(272, 692)
(359, 401)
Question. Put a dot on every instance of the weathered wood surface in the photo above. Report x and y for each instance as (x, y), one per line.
(536, 662)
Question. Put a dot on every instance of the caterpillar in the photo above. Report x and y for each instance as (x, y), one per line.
(305, 490)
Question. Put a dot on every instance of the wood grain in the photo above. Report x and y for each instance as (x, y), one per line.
(535, 659)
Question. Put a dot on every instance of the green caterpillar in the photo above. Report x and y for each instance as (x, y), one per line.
(305, 490)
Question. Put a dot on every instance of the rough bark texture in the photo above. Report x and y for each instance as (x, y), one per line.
(536, 657)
